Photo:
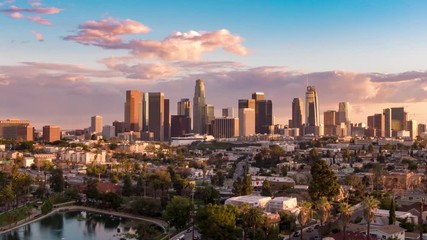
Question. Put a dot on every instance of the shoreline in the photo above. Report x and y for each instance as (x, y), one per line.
(157, 222)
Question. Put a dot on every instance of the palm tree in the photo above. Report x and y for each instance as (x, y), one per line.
(304, 215)
(253, 217)
(323, 209)
(346, 213)
(370, 204)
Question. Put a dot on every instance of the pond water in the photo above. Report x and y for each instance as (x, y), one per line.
(76, 225)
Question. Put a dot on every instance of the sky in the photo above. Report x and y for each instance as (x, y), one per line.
(62, 62)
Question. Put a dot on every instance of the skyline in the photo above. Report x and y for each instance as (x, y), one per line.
(69, 61)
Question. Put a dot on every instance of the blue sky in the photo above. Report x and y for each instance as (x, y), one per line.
(303, 38)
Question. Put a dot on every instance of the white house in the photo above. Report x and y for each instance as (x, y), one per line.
(251, 200)
(282, 203)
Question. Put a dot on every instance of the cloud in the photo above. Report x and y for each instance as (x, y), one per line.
(40, 20)
(38, 36)
(107, 34)
(38, 10)
(15, 15)
(35, 3)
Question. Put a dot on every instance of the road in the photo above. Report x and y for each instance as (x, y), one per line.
(187, 235)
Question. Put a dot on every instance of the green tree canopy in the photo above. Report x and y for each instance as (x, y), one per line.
(178, 211)
(218, 222)
(57, 182)
(266, 190)
(324, 182)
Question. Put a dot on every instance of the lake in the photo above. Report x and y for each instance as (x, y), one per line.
(75, 225)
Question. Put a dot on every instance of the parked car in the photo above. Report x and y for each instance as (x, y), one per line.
(309, 229)
(296, 234)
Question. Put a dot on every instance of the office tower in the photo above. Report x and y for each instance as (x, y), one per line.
(156, 121)
(247, 103)
(329, 120)
(210, 116)
(395, 120)
(421, 128)
(167, 125)
(228, 112)
(184, 107)
(119, 127)
(24, 133)
(133, 111)
(96, 124)
(343, 115)
(246, 122)
(387, 122)
(225, 127)
(297, 113)
(180, 125)
(263, 113)
(9, 128)
(379, 124)
(199, 111)
(145, 111)
(108, 132)
(311, 107)
(51, 133)
(412, 127)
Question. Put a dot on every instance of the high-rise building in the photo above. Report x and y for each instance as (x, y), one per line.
(133, 111)
(167, 125)
(51, 133)
(412, 127)
(210, 116)
(311, 107)
(343, 115)
(199, 111)
(228, 112)
(119, 127)
(422, 128)
(96, 124)
(156, 121)
(246, 121)
(329, 120)
(180, 125)
(15, 129)
(184, 107)
(225, 127)
(145, 111)
(395, 120)
(108, 132)
(263, 113)
(297, 113)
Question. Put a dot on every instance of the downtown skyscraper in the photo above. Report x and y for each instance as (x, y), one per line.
(311, 107)
(297, 113)
(133, 111)
(199, 105)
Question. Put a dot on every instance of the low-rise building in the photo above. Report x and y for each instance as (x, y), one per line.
(251, 200)
(282, 203)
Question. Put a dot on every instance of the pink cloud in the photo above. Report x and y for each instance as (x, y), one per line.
(40, 20)
(190, 45)
(107, 32)
(16, 15)
(38, 36)
(50, 10)
(35, 3)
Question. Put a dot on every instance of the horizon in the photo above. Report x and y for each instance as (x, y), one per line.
(67, 61)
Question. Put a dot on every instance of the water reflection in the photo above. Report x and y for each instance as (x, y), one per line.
(71, 225)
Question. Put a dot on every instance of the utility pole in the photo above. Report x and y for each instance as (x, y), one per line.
(192, 208)
(421, 218)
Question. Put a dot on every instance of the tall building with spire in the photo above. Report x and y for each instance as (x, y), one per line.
(199, 105)
(311, 107)
(297, 113)
(133, 111)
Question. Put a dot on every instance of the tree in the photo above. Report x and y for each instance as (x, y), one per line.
(247, 188)
(323, 209)
(346, 213)
(208, 194)
(324, 182)
(266, 190)
(254, 217)
(392, 213)
(357, 188)
(47, 206)
(92, 189)
(127, 186)
(218, 222)
(370, 204)
(178, 211)
(287, 221)
(304, 216)
(237, 187)
(57, 182)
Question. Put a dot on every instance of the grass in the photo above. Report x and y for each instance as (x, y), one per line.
(14, 215)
